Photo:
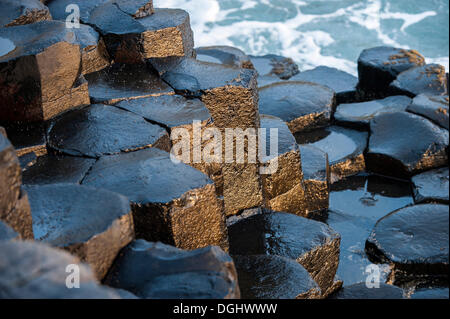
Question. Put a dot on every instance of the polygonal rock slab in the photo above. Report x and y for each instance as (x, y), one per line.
(275, 65)
(93, 224)
(379, 66)
(345, 148)
(358, 115)
(274, 277)
(28, 139)
(434, 108)
(313, 244)
(7, 233)
(224, 55)
(18, 12)
(99, 130)
(403, 144)
(31, 270)
(159, 271)
(120, 82)
(343, 83)
(172, 203)
(415, 240)
(303, 106)
(431, 186)
(361, 291)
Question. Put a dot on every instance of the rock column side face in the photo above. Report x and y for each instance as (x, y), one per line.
(19, 12)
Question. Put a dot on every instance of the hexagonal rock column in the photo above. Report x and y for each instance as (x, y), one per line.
(14, 208)
(360, 291)
(158, 271)
(231, 96)
(313, 244)
(414, 240)
(98, 130)
(379, 66)
(40, 75)
(403, 144)
(19, 12)
(303, 106)
(31, 270)
(274, 65)
(92, 224)
(431, 186)
(274, 277)
(435, 108)
(172, 203)
(225, 55)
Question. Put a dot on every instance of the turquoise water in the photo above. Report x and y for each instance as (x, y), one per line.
(320, 32)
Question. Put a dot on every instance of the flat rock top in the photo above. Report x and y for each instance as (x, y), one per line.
(291, 100)
(405, 137)
(66, 214)
(428, 79)
(413, 235)
(362, 113)
(13, 9)
(391, 60)
(281, 234)
(432, 293)
(222, 54)
(6, 232)
(121, 82)
(272, 277)
(432, 185)
(99, 130)
(314, 163)
(169, 110)
(286, 141)
(360, 291)
(270, 64)
(156, 270)
(147, 176)
(337, 80)
(434, 108)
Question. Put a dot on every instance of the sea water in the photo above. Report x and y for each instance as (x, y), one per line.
(320, 32)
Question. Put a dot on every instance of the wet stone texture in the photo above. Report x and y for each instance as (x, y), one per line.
(344, 147)
(431, 186)
(358, 115)
(312, 244)
(274, 277)
(414, 240)
(434, 293)
(360, 291)
(274, 65)
(19, 12)
(90, 223)
(29, 141)
(172, 203)
(225, 55)
(302, 105)
(158, 271)
(403, 144)
(434, 108)
(41, 77)
(7, 233)
(379, 66)
(99, 130)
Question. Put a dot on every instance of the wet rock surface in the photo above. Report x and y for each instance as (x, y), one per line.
(19, 12)
(431, 186)
(402, 144)
(224, 55)
(359, 115)
(7, 233)
(431, 293)
(275, 65)
(302, 105)
(172, 203)
(158, 271)
(27, 139)
(361, 291)
(434, 108)
(90, 223)
(99, 130)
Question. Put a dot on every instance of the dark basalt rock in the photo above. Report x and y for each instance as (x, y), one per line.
(283, 68)
(379, 66)
(431, 293)
(28, 139)
(18, 12)
(434, 108)
(403, 144)
(99, 130)
(428, 79)
(274, 277)
(120, 82)
(313, 244)
(431, 186)
(224, 55)
(7, 233)
(31, 270)
(268, 80)
(51, 84)
(343, 83)
(56, 169)
(415, 240)
(302, 105)
(358, 115)
(344, 147)
(172, 203)
(93, 224)
(360, 291)
(158, 271)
